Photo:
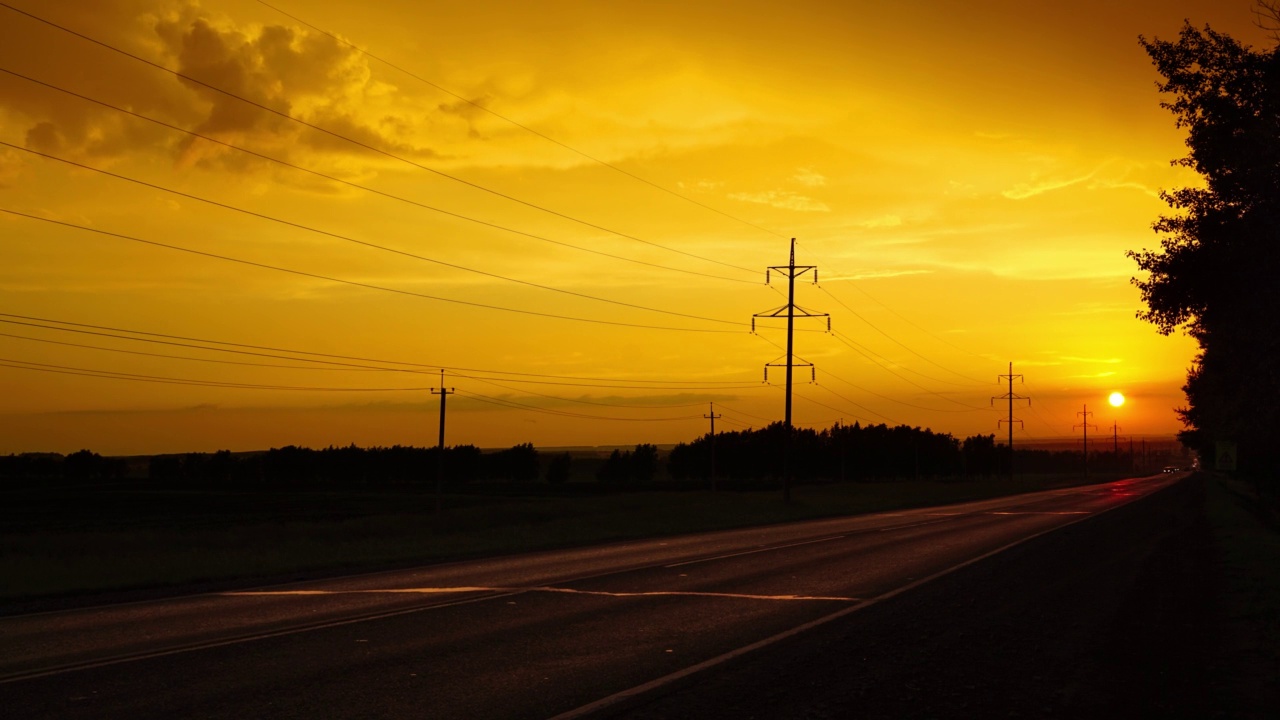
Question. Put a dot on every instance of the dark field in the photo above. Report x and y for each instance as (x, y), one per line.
(102, 542)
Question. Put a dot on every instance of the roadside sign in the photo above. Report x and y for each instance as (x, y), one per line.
(1224, 456)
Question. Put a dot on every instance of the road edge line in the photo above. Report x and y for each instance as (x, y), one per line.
(614, 699)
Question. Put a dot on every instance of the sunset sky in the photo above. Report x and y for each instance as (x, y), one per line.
(967, 177)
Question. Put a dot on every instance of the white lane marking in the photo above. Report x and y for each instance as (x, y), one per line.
(417, 591)
(542, 588)
(1042, 512)
(692, 593)
(752, 552)
(622, 695)
(235, 640)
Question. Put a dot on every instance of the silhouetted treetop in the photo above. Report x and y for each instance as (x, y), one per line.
(1217, 272)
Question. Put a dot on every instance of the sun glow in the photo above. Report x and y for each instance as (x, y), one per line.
(1116, 399)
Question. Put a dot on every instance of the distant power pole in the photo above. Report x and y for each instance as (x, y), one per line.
(1010, 397)
(443, 392)
(1084, 423)
(841, 439)
(713, 417)
(1115, 438)
(792, 311)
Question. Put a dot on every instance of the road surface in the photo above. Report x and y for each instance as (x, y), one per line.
(540, 635)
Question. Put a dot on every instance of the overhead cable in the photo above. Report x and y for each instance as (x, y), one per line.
(367, 146)
(364, 243)
(356, 283)
(522, 126)
(366, 188)
(344, 361)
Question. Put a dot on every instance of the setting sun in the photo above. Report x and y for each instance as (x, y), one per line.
(1116, 399)
(593, 201)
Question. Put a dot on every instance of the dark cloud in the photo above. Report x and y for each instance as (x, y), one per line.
(305, 74)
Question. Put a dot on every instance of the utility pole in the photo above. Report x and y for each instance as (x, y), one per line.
(443, 392)
(1010, 397)
(1115, 438)
(792, 311)
(841, 439)
(713, 417)
(1084, 423)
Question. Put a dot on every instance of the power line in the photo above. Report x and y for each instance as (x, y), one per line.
(900, 344)
(358, 186)
(488, 381)
(367, 244)
(744, 413)
(367, 146)
(839, 336)
(857, 405)
(887, 362)
(908, 321)
(739, 423)
(864, 407)
(526, 128)
(187, 357)
(167, 380)
(533, 408)
(891, 399)
(342, 361)
(367, 286)
(371, 368)
(140, 377)
(830, 407)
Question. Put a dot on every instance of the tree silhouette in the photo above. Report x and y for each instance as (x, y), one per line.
(558, 469)
(1216, 273)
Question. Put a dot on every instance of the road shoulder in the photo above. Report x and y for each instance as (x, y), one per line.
(1126, 614)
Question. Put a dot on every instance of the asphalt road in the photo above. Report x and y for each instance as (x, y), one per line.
(536, 635)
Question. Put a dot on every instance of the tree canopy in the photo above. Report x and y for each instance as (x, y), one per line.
(1217, 272)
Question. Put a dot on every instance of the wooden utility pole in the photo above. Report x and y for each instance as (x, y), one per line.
(443, 392)
(713, 417)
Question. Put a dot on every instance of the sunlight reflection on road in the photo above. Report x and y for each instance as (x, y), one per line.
(544, 589)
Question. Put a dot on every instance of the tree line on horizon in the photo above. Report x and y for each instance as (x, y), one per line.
(869, 453)
(744, 459)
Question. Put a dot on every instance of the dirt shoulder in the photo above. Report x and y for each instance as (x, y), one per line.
(1151, 610)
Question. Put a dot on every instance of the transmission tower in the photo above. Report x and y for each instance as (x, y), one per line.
(713, 417)
(443, 392)
(791, 311)
(1010, 397)
(1084, 423)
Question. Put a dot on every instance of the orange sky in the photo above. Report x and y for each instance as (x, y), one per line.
(966, 176)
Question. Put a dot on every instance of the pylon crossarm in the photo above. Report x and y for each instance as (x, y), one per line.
(777, 312)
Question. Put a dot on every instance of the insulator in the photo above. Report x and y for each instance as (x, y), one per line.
(766, 277)
(813, 374)
(766, 373)
(753, 323)
(815, 276)
(828, 323)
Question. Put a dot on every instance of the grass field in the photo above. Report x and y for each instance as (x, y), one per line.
(1249, 551)
(61, 543)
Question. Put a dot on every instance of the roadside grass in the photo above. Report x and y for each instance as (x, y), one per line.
(60, 543)
(1250, 553)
